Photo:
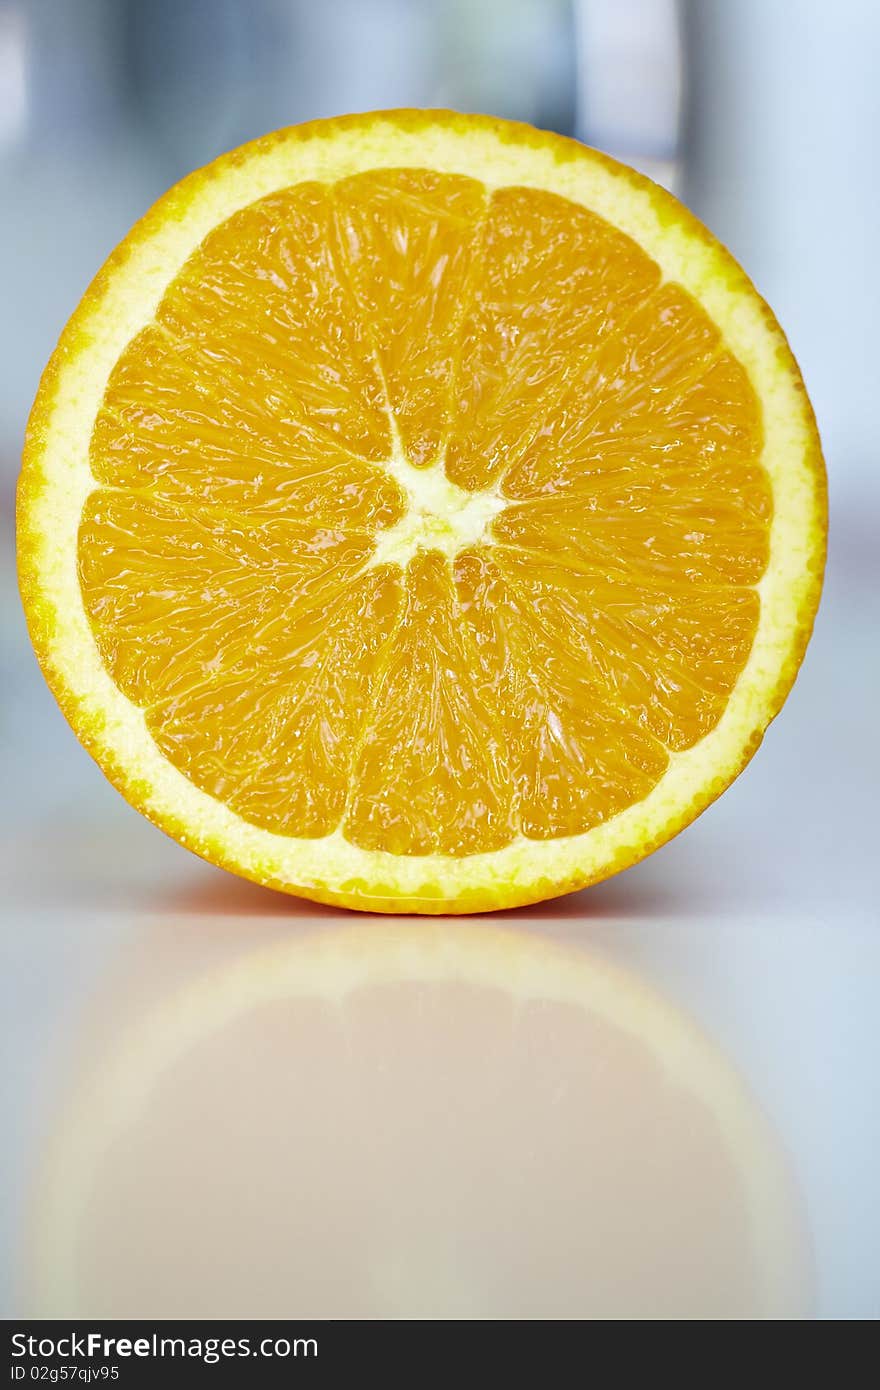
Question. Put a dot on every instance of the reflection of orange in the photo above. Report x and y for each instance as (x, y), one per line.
(433, 1122)
(421, 513)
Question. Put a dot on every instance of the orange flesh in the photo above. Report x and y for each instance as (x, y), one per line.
(536, 682)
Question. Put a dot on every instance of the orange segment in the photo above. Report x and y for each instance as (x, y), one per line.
(576, 757)
(250, 645)
(663, 534)
(668, 660)
(175, 427)
(177, 597)
(449, 512)
(658, 393)
(257, 386)
(275, 737)
(433, 773)
(265, 298)
(411, 238)
(555, 281)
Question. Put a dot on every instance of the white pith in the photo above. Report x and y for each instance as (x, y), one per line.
(440, 515)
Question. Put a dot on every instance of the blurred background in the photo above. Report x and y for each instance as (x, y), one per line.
(761, 921)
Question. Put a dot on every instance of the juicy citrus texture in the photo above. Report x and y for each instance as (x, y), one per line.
(427, 514)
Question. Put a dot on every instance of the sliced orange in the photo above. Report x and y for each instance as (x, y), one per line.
(430, 1122)
(421, 513)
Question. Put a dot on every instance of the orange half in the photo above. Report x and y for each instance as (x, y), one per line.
(421, 513)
